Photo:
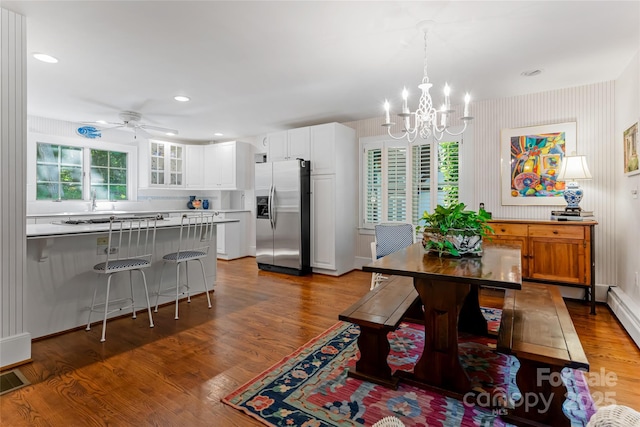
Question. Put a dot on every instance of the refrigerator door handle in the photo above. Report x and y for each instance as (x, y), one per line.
(272, 213)
(271, 192)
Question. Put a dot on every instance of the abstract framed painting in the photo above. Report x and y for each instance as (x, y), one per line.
(530, 161)
(630, 138)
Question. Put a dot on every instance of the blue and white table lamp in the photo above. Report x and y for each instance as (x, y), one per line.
(572, 169)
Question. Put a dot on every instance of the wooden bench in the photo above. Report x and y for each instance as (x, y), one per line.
(377, 313)
(537, 329)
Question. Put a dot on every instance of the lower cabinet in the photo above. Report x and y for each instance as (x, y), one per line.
(232, 237)
(554, 252)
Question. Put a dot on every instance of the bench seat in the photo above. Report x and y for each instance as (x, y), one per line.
(377, 313)
(536, 328)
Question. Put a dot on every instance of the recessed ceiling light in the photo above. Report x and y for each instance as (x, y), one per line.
(45, 58)
(102, 122)
(531, 73)
(170, 134)
(218, 134)
(181, 98)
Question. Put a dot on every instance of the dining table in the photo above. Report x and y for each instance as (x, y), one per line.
(449, 291)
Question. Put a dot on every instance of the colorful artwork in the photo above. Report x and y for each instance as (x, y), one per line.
(535, 160)
(630, 137)
(533, 157)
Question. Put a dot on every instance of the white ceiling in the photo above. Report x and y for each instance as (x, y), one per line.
(255, 67)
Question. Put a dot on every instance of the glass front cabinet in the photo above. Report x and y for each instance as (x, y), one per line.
(166, 166)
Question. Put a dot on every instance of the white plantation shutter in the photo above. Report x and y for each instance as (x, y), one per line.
(396, 183)
(421, 181)
(401, 181)
(373, 185)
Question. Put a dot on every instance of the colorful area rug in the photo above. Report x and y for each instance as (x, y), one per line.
(310, 387)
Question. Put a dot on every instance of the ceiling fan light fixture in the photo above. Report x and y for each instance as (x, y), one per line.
(45, 58)
(182, 98)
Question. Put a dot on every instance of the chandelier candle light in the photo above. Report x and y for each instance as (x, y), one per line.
(427, 120)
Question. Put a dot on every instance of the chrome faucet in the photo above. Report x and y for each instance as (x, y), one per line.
(94, 205)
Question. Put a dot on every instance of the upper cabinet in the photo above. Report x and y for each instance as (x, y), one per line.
(194, 171)
(227, 166)
(223, 166)
(289, 145)
(162, 164)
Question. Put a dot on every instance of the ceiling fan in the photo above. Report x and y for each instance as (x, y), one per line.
(131, 120)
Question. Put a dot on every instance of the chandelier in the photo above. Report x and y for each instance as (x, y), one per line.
(427, 120)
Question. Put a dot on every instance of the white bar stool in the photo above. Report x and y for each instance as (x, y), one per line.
(130, 248)
(196, 232)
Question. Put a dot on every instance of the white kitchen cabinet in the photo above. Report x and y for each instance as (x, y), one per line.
(162, 164)
(289, 145)
(323, 221)
(227, 166)
(334, 198)
(194, 170)
(324, 139)
(232, 237)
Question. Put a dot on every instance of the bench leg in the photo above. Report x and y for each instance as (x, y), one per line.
(374, 350)
(543, 394)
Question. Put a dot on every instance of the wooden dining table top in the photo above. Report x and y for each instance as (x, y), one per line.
(499, 266)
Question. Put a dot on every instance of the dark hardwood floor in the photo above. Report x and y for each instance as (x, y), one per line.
(176, 373)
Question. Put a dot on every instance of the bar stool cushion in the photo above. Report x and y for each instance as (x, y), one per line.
(122, 264)
(184, 255)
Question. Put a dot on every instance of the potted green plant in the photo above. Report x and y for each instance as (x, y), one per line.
(455, 231)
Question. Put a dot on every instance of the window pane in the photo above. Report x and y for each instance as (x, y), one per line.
(118, 192)
(174, 179)
(117, 159)
(118, 176)
(46, 173)
(47, 191)
(99, 175)
(71, 191)
(448, 173)
(99, 158)
(47, 153)
(71, 155)
(102, 191)
(71, 174)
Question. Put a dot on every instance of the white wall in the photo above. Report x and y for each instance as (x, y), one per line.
(15, 343)
(626, 298)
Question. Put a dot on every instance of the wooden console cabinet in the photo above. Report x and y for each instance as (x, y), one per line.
(553, 252)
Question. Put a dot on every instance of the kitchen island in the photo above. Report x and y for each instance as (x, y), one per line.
(60, 277)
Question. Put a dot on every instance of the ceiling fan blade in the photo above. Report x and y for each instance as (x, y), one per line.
(138, 130)
(159, 129)
(102, 123)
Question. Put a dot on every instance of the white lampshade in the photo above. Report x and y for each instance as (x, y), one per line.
(574, 167)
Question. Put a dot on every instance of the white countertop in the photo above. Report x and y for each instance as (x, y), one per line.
(37, 231)
(122, 212)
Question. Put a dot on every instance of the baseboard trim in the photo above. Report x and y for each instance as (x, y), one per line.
(626, 311)
(15, 349)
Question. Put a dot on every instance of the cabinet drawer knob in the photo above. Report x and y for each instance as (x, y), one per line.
(555, 231)
(503, 230)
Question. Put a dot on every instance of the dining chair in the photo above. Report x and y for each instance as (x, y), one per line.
(130, 247)
(390, 237)
(196, 232)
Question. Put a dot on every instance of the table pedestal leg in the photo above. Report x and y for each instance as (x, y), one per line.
(439, 364)
(471, 319)
(372, 365)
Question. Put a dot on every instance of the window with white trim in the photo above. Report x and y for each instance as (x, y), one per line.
(61, 173)
(401, 181)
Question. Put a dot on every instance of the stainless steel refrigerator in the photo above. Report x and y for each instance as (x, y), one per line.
(283, 221)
